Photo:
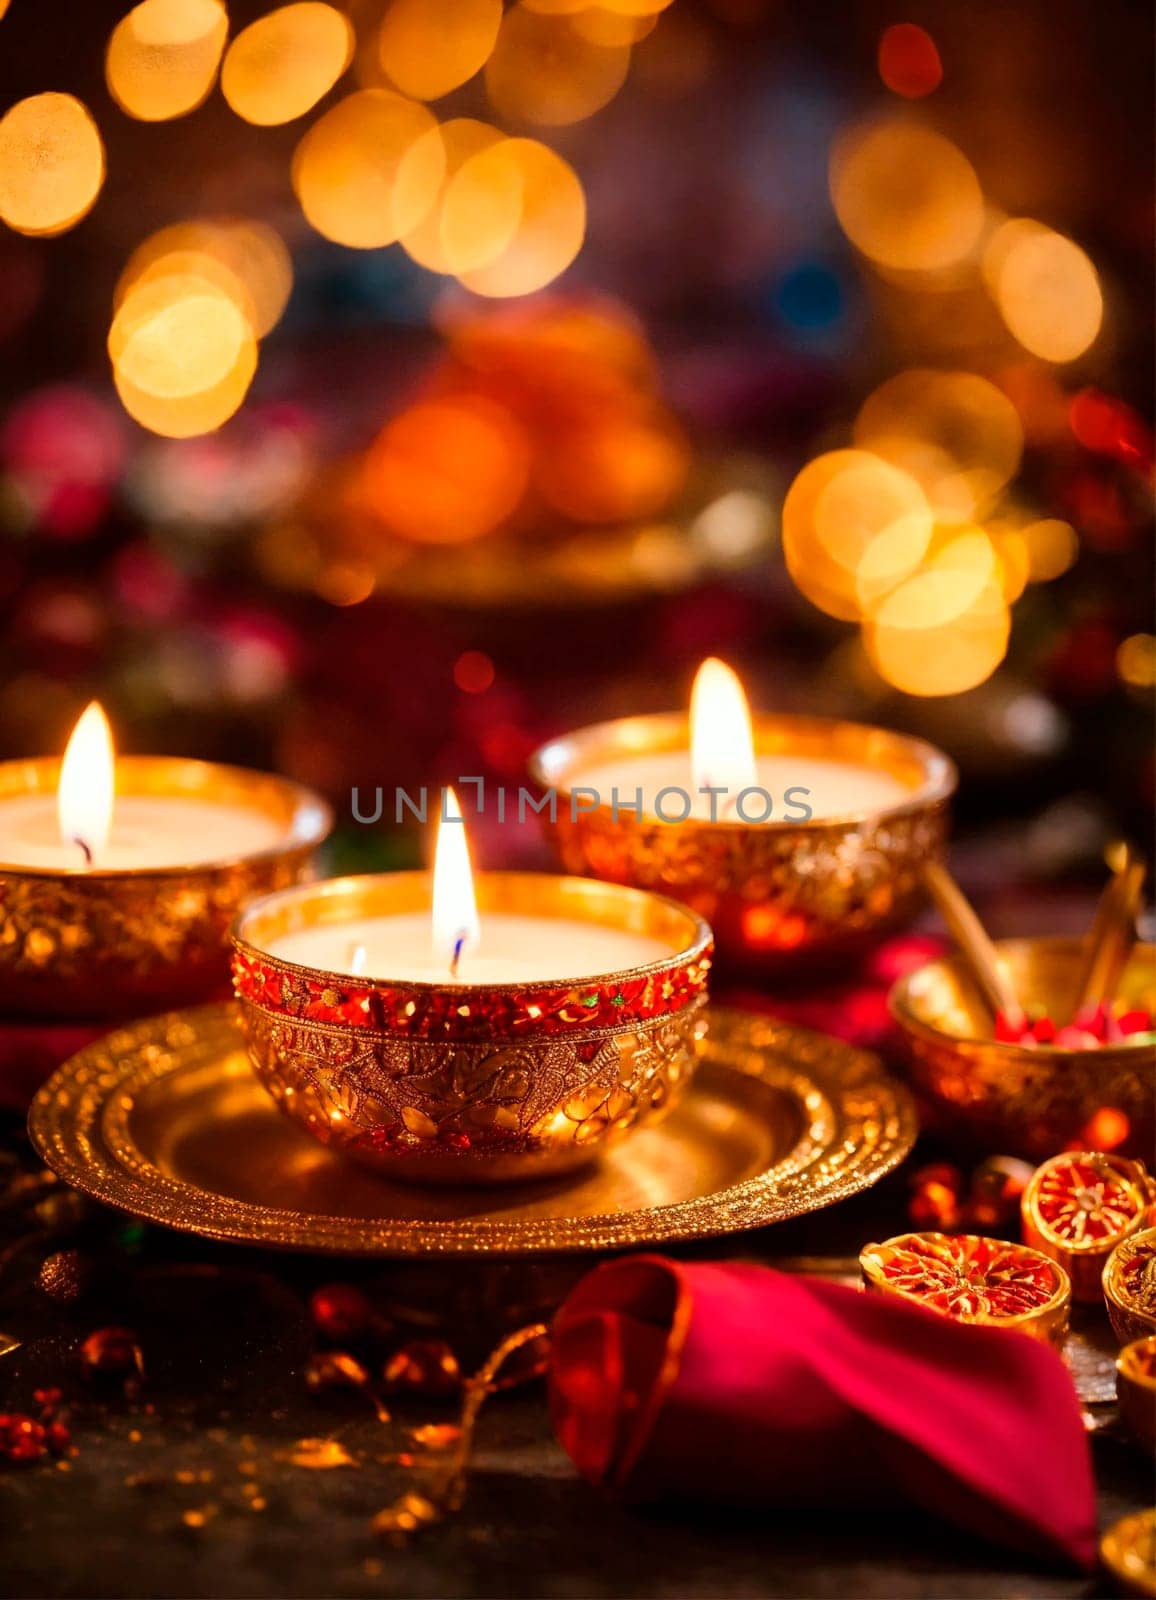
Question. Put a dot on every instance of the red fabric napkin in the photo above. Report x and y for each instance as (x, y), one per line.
(745, 1385)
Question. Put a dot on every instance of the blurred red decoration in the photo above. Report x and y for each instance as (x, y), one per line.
(909, 63)
(340, 1312)
(473, 672)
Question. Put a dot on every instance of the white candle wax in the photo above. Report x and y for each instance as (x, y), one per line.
(148, 831)
(512, 949)
(837, 788)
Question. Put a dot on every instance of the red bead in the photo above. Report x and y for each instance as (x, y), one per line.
(340, 1312)
(424, 1366)
(111, 1350)
(23, 1439)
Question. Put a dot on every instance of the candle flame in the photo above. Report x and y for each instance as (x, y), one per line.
(84, 797)
(455, 912)
(722, 746)
(358, 960)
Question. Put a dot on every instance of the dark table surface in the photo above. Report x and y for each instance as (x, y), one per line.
(189, 1486)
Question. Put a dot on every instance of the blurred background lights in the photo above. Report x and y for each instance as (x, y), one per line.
(460, 138)
(162, 58)
(518, 211)
(447, 470)
(1052, 547)
(51, 164)
(280, 66)
(924, 658)
(351, 174)
(1046, 288)
(955, 432)
(611, 28)
(428, 47)
(251, 254)
(544, 71)
(905, 196)
(183, 355)
(177, 335)
(474, 672)
(851, 518)
(618, 468)
(1136, 660)
(909, 63)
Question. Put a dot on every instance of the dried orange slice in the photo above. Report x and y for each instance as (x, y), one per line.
(1136, 1389)
(973, 1279)
(1077, 1208)
(1130, 1286)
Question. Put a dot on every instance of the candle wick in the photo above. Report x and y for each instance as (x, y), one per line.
(85, 848)
(459, 945)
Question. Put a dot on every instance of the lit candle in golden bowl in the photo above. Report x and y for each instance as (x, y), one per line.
(119, 876)
(797, 837)
(460, 1029)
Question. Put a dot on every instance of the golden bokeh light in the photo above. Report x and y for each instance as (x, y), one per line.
(1046, 288)
(615, 468)
(544, 71)
(959, 568)
(162, 58)
(428, 47)
(513, 218)
(945, 628)
(853, 527)
(906, 196)
(351, 172)
(461, 138)
(613, 29)
(1052, 546)
(51, 164)
(946, 659)
(3, 6)
(447, 470)
(955, 432)
(638, 10)
(251, 253)
(183, 354)
(1136, 660)
(280, 66)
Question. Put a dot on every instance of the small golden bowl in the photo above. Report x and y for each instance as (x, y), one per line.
(1078, 1206)
(1128, 1550)
(1130, 1287)
(466, 1083)
(988, 1282)
(776, 893)
(1015, 1099)
(1136, 1389)
(92, 944)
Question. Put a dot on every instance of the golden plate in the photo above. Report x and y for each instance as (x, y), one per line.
(166, 1120)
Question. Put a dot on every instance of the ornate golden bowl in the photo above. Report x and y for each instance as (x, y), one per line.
(94, 945)
(1136, 1389)
(775, 893)
(1128, 1550)
(1130, 1286)
(461, 1083)
(1019, 1100)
